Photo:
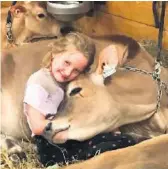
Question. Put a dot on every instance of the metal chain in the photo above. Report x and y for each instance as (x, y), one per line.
(159, 96)
(9, 32)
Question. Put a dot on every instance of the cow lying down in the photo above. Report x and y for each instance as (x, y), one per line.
(29, 20)
(126, 101)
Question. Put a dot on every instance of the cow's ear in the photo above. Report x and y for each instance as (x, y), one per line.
(17, 10)
(108, 56)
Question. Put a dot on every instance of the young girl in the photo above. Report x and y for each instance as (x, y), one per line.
(70, 56)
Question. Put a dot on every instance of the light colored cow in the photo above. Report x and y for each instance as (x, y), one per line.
(150, 154)
(128, 100)
(29, 20)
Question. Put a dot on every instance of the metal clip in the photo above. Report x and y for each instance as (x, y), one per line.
(157, 67)
(157, 71)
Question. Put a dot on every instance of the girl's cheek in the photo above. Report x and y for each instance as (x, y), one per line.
(58, 67)
(75, 75)
(61, 66)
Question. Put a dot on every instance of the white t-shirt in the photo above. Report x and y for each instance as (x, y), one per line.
(42, 93)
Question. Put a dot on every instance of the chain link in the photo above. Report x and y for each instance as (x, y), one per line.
(165, 86)
(159, 96)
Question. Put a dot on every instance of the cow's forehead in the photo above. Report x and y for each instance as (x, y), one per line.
(78, 82)
(83, 85)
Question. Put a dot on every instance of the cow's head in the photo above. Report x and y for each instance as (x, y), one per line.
(88, 111)
(30, 20)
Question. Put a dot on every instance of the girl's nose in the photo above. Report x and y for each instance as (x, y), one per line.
(68, 71)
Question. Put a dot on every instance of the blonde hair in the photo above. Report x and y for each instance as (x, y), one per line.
(75, 40)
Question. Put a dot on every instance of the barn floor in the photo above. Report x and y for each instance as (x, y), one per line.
(32, 162)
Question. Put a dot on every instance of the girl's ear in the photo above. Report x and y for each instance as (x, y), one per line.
(17, 10)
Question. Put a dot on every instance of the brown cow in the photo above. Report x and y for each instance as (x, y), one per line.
(96, 108)
(29, 20)
(150, 154)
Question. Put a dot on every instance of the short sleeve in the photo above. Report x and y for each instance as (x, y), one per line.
(45, 102)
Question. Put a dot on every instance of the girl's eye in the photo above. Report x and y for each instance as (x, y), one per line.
(67, 63)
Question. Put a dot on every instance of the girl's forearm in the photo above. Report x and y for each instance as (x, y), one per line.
(37, 120)
(39, 127)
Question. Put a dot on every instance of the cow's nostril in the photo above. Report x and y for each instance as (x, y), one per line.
(41, 15)
(75, 91)
(67, 29)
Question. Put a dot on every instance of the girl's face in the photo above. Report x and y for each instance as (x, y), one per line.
(66, 66)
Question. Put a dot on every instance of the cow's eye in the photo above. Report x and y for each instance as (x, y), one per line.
(41, 15)
(75, 91)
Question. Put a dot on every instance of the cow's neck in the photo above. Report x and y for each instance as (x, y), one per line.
(153, 126)
(128, 87)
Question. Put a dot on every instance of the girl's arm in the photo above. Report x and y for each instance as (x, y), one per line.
(37, 120)
(38, 103)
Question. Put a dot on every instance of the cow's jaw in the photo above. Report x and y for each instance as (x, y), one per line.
(92, 112)
(81, 132)
(61, 137)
